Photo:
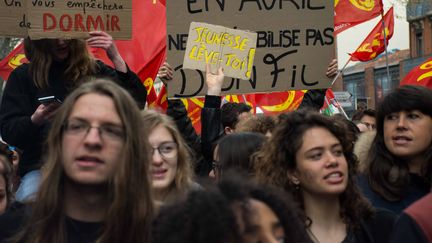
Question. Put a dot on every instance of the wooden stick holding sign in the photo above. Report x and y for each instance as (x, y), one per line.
(231, 49)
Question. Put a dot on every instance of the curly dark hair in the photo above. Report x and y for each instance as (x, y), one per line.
(278, 157)
(388, 174)
(238, 189)
(208, 215)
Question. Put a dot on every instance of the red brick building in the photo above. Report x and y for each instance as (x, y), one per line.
(368, 82)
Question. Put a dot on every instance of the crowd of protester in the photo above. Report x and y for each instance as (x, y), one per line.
(97, 166)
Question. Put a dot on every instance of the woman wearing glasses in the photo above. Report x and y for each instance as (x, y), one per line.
(171, 168)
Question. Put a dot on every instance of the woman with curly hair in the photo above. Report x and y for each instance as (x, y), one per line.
(399, 168)
(310, 156)
(234, 211)
(170, 164)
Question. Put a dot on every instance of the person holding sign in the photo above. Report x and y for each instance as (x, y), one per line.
(57, 67)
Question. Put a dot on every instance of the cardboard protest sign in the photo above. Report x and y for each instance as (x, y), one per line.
(294, 45)
(66, 19)
(13, 19)
(231, 49)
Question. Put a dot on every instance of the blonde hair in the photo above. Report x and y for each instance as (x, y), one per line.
(184, 175)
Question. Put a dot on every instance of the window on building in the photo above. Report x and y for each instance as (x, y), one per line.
(419, 44)
(382, 83)
(355, 84)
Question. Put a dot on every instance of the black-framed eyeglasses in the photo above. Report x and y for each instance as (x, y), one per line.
(107, 132)
(167, 150)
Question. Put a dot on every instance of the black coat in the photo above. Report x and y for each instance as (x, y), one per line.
(20, 100)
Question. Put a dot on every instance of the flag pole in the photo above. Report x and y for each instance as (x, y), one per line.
(385, 45)
(339, 72)
(340, 108)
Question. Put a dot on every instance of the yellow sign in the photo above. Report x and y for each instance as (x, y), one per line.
(231, 49)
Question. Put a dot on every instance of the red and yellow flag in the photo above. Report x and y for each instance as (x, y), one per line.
(280, 102)
(373, 45)
(11, 61)
(349, 13)
(420, 75)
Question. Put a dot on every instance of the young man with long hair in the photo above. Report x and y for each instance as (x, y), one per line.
(95, 185)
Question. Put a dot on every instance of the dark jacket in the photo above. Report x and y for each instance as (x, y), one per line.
(417, 188)
(20, 100)
(211, 130)
(18, 215)
(376, 229)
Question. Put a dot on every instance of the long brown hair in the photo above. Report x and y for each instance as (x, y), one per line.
(278, 157)
(184, 174)
(129, 215)
(79, 63)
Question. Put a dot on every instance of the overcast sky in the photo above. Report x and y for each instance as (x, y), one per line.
(349, 40)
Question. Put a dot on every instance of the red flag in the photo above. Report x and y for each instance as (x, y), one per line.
(373, 45)
(420, 75)
(280, 102)
(194, 107)
(11, 61)
(349, 13)
(146, 51)
(161, 101)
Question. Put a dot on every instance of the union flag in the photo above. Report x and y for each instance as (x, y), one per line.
(11, 61)
(279, 102)
(420, 75)
(349, 13)
(373, 45)
(161, 101)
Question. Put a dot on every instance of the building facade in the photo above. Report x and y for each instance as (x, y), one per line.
(369, 82)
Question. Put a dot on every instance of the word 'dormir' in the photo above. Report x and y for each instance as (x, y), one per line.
(78, 22)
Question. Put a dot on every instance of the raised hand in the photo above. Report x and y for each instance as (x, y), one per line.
(332, 69)
(101, 39)
(165, 73)
(214, 81)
